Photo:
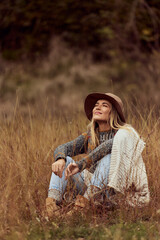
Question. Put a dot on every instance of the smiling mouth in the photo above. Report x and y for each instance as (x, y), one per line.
(98, 113)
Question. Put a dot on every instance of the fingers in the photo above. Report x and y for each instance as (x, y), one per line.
(60, 172)
(67, 172)
(70, 170)
(54, 168)
(58, 169)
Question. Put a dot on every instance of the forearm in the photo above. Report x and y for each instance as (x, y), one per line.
(98, 153)
(71, 149)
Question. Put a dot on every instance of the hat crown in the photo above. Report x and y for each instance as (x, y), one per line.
(116, 98)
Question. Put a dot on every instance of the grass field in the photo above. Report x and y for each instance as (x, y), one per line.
(26, 154)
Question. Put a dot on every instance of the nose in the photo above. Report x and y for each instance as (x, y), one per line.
(98, 107)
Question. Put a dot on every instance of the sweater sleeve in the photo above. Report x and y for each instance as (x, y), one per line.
(72, 148)
(99, 152)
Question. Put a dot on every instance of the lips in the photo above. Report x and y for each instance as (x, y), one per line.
(98, 113)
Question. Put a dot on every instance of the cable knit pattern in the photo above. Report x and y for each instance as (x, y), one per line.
(90, 161)
(72, 148)
(127, 168)
(83, 144)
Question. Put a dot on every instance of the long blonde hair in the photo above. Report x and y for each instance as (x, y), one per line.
(114, 121)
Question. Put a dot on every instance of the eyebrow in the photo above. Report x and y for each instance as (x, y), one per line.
(102, 103)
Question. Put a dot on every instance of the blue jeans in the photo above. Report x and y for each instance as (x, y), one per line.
(99, 177)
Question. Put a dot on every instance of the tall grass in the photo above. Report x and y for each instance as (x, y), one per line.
(26, 155)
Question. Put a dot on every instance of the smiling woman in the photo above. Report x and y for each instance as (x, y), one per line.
(113, 163)
(101, 114)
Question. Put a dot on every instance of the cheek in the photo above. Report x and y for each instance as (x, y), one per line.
(107, 113)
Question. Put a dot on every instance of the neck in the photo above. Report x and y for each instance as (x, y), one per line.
(103, 126)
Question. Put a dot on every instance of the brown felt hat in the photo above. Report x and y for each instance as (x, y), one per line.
(92, 98)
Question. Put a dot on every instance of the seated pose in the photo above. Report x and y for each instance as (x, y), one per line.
(113, 158)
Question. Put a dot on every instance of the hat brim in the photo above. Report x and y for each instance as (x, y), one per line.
(91, 100)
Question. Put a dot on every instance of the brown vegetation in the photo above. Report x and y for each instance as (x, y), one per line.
(26, 150)
(103, 46)
(65, 77)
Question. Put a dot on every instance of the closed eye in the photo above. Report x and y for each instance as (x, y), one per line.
(105, 105)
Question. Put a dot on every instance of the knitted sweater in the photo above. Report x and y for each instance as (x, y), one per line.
(127, 168)
(83, 144)
(127, 173)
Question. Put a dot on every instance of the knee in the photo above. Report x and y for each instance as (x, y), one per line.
(105, 160)
(69, 160)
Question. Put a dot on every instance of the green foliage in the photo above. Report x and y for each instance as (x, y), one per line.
(26, 27)
(83, 230)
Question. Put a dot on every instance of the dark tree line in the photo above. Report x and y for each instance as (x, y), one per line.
(100, 26)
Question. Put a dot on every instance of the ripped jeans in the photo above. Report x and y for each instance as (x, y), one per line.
(99, 179)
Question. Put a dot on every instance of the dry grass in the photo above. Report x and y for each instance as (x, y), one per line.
(26, 150)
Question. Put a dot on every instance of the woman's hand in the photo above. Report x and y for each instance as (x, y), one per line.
(71, 170)
(58, 167)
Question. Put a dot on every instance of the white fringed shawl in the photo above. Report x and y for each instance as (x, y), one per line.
(127, 167)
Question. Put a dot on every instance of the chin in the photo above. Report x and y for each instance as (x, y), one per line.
(99, 119)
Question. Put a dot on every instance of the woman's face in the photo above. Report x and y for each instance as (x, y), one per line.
(101, 110)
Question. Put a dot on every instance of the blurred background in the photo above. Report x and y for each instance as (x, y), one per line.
(53, 53)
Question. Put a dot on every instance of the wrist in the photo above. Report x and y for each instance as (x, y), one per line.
(59, 157)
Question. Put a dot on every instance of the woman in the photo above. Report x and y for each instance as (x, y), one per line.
(113, 159)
